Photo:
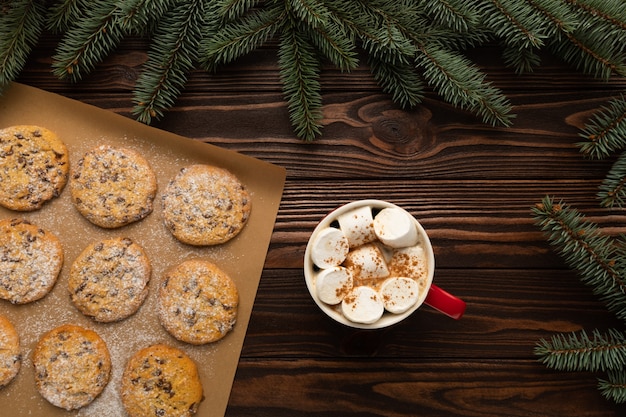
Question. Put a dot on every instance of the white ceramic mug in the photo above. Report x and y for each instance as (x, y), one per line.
(355, 216)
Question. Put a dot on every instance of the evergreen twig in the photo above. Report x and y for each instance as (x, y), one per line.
(600, 261)
(20, 27)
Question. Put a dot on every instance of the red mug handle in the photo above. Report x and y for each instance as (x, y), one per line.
(445, 302)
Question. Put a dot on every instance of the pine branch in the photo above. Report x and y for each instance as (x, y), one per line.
(64, 13)
(612, 191)
(606, 130)
(400, 81)
(234, 9)
(87, 44)
(137, 15)
(237, 38)
(599, 260)
(463, 84)
(597, 46)
(579, 352)
(299, 70)
(20, 27)
(172, 55)
(614, 388)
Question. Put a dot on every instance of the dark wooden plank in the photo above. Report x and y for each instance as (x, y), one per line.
(398, 388)
(471, 223)
(508, 312)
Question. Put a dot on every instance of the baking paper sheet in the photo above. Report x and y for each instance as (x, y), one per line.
(83, 127)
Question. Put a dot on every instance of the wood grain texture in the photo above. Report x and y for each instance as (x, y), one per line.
(472, 186)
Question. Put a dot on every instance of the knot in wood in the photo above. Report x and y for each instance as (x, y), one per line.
(403, 132)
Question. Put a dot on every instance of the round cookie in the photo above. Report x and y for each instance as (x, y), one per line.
(72, 366)
(205, 205)
(112, 187)
(30, 261)
(161, 380)
(108, 281)
(197, 302)
(10, 356)
(34, 167)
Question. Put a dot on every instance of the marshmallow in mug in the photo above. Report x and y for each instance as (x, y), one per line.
(358, 226)
(395, 228)
(333, 284)
(329, 248)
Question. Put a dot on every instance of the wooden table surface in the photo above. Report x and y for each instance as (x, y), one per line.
(472, 187)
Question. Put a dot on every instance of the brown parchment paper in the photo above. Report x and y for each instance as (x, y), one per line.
(82, 127)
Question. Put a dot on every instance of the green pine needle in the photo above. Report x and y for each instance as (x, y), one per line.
(614, 387)
(605, 132)
(172, 55)
(461, 83)
(87, 44)
(64, 13)
(237, 38)
(599, 260)
(612, 191)
(299, 70)
(21, 24)
(580, 352)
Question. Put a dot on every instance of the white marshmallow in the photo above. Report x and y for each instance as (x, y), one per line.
(329, 248)
(409, 262)
(362, 305)
(333, 284)
(367, 262)
(357, 225)
(399, 294)
(395, 228)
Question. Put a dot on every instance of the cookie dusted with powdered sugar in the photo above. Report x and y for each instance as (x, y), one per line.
(72, 366)
(10, 355)
(34, 167)
(109, 280)
(113, 187)
(30, 261)
(197, 302)
(161, 380)
(205, 205)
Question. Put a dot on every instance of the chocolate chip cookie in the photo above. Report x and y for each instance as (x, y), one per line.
(30, 261)
(10, 355)
(34, 167)
(72, 366)
(205, 205)
(198, 302)
(109, 280)
(161, 380)
(113, 187)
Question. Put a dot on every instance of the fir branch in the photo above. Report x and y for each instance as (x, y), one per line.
(21, 25)
(237, 38)
(312, 12)
(234, 9)
(87, 44)
(336, 45)
(514, 21)
(597, 46)
(463, 84)
(299, 70)
(614, 387)
(599, 261)
(400, 81)
(64, 13)
(579, 352)
(172, 55)
(137, 15)
(457, 15)
(612, 191)
(605, 131)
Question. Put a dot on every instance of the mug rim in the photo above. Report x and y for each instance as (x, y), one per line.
(333, 311)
